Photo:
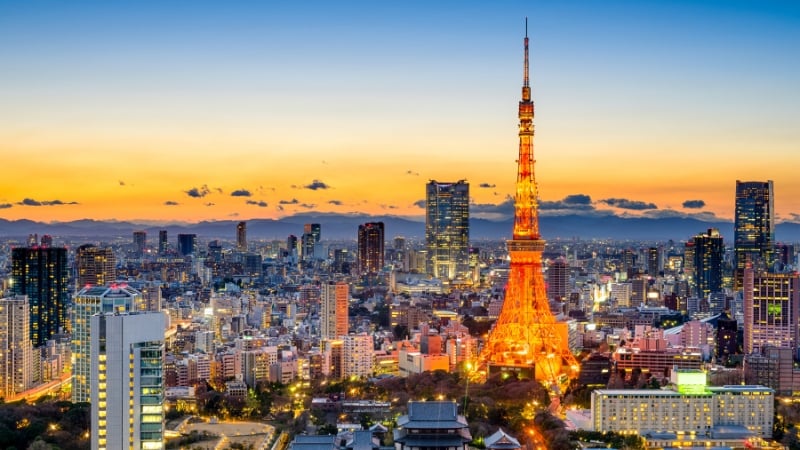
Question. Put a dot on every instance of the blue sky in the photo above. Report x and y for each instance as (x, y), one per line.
(659, 102)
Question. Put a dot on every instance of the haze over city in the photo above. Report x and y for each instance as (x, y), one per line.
(202, 111)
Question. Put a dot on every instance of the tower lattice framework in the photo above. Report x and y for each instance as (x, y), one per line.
(527, 338)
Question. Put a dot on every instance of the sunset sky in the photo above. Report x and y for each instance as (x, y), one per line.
(218, 110)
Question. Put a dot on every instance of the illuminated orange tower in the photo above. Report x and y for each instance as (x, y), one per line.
(527, 338)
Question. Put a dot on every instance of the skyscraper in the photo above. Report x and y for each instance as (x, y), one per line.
(187, 244)
(709, 251)
(312, 233)
(654, 265)
(88, 302)
(771, 302)
(127, 393)
(370, 247)
(241, 236)
(334, 302)
(753, 227)
(96, 266)
(447, 230)
(139, 243)
(558, 279)
(163, 243)
(16, 350)
(43, 275)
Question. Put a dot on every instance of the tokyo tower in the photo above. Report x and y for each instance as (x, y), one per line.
(527, 339)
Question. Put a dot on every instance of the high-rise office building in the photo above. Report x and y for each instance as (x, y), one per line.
(654, 264)
(370, 247)
(96, 266)
(291, 245)
(334, 302)
(447, 230)
(241, 236)
(16, 350)
(163, 243)
(139, 243)
(709, 252)
(88, 302)
(43, 275)
(187, 244)
(312, 233)
(558, 279)
(753, 227)
(771, 302)
(127, 393)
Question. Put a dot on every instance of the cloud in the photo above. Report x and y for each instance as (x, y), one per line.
(420, 204)
(233, 215)
(574, 202)
(487, 185)
(335, 202)
(794, 217)
(171, 203)
(32, 202)
(260, 204)
(5, 205)
(198, 192)
(241, 193)
(694, 204)
(388, 206)
(293, 201)
(279, 208)
(500, 210)
(411, 172)
(624, 203)
(705, 216)
(209, 204)
(316, 185)
(307, 205)
(121, 183)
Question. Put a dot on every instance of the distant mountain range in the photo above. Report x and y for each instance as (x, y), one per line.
(344, 226)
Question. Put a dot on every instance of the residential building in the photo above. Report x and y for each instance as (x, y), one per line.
(95, 266)
(42, 274)
(88, 302)
(127, 385)
(334, 303)
(16, 349)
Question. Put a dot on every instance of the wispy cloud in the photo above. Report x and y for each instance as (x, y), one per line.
(411, 172)
(307, 205)
(293, 201)
(335, 202)
(624, 203)
(487, 186)
(694, 204)
(32, 202)
(420, 204)
(171, 203)
(260, 204)
(574, 202)
(5, 205)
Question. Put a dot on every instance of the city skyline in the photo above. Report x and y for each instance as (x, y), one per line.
(206, 112)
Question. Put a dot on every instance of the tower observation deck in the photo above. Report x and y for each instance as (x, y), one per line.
(527, 339)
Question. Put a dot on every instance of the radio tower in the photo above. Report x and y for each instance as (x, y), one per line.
(527, 339)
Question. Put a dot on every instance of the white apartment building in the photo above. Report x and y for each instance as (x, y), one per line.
(127, 384)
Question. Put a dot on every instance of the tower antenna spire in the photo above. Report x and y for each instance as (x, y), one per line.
(525, 75)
